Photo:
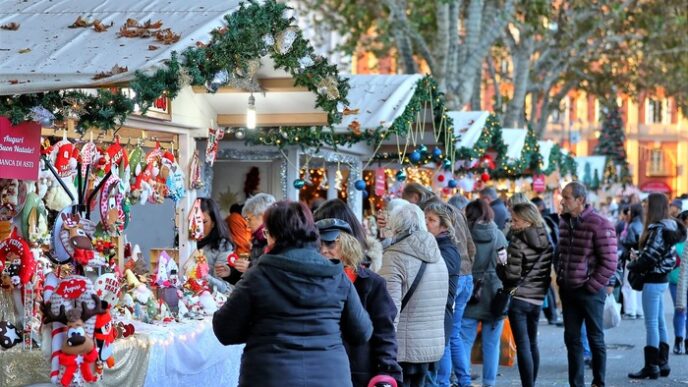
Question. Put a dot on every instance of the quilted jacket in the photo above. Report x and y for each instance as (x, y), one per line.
(658, 255)
(587, 251)
(529, 255)
(420, 326)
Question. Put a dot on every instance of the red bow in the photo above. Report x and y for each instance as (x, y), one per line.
(70, 364)
(82, 256)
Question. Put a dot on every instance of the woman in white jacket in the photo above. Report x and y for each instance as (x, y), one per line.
(420, 323)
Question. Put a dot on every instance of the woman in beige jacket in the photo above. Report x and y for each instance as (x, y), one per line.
(420, 323)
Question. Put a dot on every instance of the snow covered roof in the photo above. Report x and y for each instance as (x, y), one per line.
(44, 53)
(515, 140)
(596, 163)
(468, 126)
(378, 100)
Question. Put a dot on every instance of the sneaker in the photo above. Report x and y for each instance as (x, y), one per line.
(628, 317)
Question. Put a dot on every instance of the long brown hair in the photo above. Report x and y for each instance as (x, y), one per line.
(657, 209)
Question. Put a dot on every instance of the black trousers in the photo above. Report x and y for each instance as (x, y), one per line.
(580, 306)
(523, 317)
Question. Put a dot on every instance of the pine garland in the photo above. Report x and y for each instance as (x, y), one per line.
(232, 49)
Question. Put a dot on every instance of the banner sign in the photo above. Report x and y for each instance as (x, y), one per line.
(539, 183)
(20, 149)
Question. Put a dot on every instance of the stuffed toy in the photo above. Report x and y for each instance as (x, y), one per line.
(167, 279)
(111, 198)
(89, 156)
(196, 221)
(76, 237)
(173, 177)
(104, 337)
(34, 220)
(118, 158)
(12, 198)
(64, 158)
(22, 262)
(71, 310)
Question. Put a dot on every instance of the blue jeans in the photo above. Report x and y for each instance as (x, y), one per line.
(523, 317)
(679, 317)
(455, 353)
(491, 335)
(580, 306)
(586, 344)
(653, 308)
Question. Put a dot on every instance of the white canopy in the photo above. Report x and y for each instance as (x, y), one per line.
(515, 140)
(596, 163)
(468, 126)
(45, 54)
(378, 100)
(545, 150)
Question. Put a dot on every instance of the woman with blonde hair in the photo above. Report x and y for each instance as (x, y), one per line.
(526, 274)
(439, 218)
(379, 354)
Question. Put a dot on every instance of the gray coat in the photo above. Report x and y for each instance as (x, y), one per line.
(488, 239)
(217, 255)
(420, 326)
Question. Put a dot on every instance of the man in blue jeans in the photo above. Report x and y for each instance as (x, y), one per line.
(587, 259)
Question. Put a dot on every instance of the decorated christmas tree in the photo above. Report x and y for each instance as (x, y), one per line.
(587, 178)
(611, 144)
(595, 181)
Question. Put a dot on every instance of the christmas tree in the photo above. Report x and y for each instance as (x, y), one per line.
(595, 181)
(611, 143)
(587, 179)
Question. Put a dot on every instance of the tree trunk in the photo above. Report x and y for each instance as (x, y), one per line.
(398, 20)
(476, 98)
(441, 50)
(521, 58)
(497, 105)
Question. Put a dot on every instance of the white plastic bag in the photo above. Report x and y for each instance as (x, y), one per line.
(612, 313)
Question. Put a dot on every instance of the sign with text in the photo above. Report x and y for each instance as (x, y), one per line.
(20, 149)
(539, 183)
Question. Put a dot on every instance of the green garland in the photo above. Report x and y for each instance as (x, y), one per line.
(315, 137)
(233, 49)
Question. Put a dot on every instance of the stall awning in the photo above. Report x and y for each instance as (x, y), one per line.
(545, 150)
(468, 126)
(44, 53)
(378, 100)
(515, 140)
(596, 163)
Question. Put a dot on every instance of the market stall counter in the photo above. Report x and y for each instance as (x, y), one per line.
(177, 354)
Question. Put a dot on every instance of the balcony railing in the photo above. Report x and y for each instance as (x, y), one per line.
(664, 167)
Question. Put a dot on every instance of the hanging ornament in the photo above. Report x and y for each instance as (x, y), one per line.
(239, 134)
(485, 177)
(285, 40)
(440, 178)
(414, 156)
(214, 137)
(423, 149)
(338, 179)
(220, 78)
(306, 61)
(401, 175)
(324, 183)
(9, 335)
(299, 183)
(195, 178)
(364, 194)
(452, 183)
(360, 185)
(328, 87)
(447, 164)
(43, 116)
(437, 152)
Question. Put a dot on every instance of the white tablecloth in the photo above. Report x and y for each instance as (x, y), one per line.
(188, 354)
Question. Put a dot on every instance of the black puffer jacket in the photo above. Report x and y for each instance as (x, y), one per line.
(657, 257)
(529, 253)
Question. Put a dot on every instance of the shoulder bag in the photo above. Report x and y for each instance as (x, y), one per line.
(414, 285)
(500, 303)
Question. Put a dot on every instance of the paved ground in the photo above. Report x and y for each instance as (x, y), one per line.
(624, 354)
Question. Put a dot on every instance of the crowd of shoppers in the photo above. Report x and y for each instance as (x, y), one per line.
(319, 302)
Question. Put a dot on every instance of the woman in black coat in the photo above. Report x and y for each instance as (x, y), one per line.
(527, 274)
(292, 309)
(379, 354)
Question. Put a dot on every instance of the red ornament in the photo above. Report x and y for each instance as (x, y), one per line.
(485, 177)
(440, 178)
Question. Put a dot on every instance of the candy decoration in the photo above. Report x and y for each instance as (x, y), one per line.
(299, 183)
(360, 185)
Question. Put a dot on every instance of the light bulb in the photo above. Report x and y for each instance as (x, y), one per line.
(251, 113)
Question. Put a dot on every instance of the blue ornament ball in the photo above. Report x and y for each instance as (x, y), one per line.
(423, 149)
(299, 183)
(437, 152)
(360, 185)
(447, 164)
(364, 194)
(414, 156)
(452, 183)
(401, 175)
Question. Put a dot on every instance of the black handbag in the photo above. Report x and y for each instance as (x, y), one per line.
(499, 306)
(636, 280)
(477, 290)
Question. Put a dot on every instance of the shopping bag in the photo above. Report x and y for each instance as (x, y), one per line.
(612, 313)
(477, 350)
(507, 346)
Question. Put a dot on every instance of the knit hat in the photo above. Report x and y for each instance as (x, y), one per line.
(678, 203)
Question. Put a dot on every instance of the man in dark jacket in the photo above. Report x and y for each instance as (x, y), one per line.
(501, 215)
(587, 259)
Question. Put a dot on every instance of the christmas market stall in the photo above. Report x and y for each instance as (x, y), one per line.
(100, 109)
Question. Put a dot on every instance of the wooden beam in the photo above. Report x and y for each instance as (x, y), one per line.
(284, 85)
(280, 119)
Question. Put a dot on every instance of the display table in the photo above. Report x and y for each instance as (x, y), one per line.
(184, 354)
